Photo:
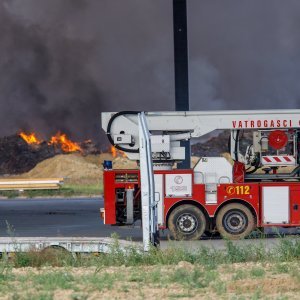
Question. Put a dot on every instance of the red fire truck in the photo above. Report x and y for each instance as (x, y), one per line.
(258, 187)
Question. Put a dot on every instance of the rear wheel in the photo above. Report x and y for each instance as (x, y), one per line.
(235, 221)
(187, 222)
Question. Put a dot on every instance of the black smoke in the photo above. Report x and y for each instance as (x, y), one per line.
(43, 84)
(63, 62)
(244, 54)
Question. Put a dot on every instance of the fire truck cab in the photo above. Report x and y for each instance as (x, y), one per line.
(257, 185)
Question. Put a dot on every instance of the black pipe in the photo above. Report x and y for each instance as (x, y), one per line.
(121, 113)
(236, 150)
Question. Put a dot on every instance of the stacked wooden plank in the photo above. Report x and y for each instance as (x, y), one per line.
(31, 184)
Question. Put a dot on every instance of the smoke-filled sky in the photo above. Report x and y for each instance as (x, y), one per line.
(63, 62)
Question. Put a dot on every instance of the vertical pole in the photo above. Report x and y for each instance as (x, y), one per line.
(149, 206)
(181, 68)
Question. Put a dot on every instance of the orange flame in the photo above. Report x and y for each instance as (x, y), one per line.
(64, 142)
(60, 139)
(113, 151)
(30, 138)
(116, 152)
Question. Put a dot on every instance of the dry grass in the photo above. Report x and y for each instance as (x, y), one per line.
(185, 280)
(234, 273)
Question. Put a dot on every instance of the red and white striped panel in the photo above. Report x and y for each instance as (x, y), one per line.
(275, 160)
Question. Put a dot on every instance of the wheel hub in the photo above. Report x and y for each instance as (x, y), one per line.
(235, 222)
(187, 223)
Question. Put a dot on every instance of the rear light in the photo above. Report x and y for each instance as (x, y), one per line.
(102, 213)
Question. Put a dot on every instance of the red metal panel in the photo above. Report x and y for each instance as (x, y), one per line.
(226, 192)
(197, 190)
(110, 185)
(199, 193)
(238, 172)
(295, 205)
(249, 192)
(109, 197)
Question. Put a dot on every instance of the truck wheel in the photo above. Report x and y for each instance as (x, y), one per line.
(187, 222)
(235, 221)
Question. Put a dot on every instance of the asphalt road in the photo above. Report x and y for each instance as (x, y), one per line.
(58, 217)
(69, 217)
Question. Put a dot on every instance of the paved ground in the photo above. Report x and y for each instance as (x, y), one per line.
(72, 217)
(58, 217)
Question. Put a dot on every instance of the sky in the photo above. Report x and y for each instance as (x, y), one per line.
(64, 62)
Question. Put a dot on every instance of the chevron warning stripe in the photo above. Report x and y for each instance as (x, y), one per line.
(282, 160)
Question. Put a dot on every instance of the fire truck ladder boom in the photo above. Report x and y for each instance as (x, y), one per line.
(123, 131)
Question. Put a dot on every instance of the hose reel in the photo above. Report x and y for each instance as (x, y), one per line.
(278, 139)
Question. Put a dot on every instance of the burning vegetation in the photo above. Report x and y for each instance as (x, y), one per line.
(116, 152)
(59, 140)
(30, 138)
(21, 152)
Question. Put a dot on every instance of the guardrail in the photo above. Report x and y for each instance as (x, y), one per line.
(31, 184)
(71, 244)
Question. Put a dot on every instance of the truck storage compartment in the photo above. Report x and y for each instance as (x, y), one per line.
(276, 204)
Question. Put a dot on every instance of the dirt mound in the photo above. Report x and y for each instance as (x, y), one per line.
(118, 162)
(123, 163)
(75, 168)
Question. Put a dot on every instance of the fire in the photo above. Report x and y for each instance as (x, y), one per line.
(61, 139)
(30, 138)
(113, 151)
(116, 152)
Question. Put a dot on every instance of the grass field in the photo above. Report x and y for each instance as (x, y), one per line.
(185, 281)
(237, 273)
(68, 190)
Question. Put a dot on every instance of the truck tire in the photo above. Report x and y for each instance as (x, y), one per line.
(187, 222)
(235, 221)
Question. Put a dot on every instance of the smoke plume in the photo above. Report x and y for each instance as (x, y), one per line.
(64, 62)
(244, 54)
